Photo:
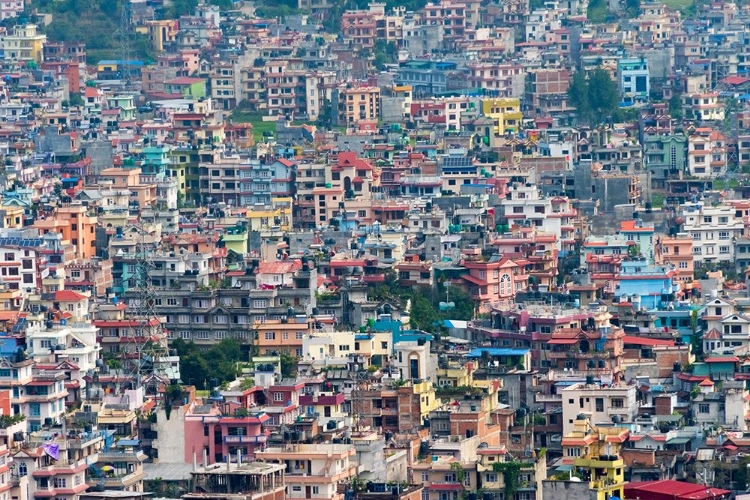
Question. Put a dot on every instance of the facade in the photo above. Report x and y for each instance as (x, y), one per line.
(24, 44)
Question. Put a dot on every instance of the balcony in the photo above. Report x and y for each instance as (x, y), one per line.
(245, 439)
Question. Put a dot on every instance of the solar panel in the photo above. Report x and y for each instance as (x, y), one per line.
(22, 242)
(20, 325)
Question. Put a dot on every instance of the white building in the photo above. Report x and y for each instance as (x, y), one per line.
(601, 405)
(707, 153)
(713, 230)
(547, 215)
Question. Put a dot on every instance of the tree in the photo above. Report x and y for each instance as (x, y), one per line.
(675, 106)
(423, 314)
(595, 96)
(288, 364)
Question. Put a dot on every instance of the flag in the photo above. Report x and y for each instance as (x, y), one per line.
(52, 450)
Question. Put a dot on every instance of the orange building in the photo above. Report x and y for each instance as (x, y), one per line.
(76, 227)
(130, 178)
(275, 336)
(359, 105)
(677, 251)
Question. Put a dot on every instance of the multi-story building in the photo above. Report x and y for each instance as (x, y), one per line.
(506, 113)
(677, 251)
(633, 79)
(600, 405)
(59, 473)
(11, 8)
(664, 157)
(251, 481)
(702, 107)
(24, 44)
(75, 225)
(359, 105)
(713, 230)
(313, 471)
(707, 153)
(597, 451)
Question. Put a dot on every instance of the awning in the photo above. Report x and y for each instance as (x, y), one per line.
(679, 440)
(562, 341)
(730, 447)
(564, 468)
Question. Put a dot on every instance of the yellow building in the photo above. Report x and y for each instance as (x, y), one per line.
(161, 33)
(277, 215)
(24, 44)
(12, 216)
(506, 112)
(596, 457)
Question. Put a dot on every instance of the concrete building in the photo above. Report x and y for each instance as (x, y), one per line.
(24, 44)
(633, 79)
(359, 105)
(713, 230)
(707, 153)
(600, 405)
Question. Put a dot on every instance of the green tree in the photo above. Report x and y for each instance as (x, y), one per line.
(675, 106)
(423, 314)
(288, 364)
(595, 96)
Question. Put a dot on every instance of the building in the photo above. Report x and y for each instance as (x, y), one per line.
(596, 452)
(24, 44)
(677, 251)
(359, 105)
(76, 226)
(707, 153)
(713, 230)
(633, 79)
(250, 481)
(600, 405)
(313, 471)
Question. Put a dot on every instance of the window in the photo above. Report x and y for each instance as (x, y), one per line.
(185, 335)
(724, 250)
(278, 396)
(60, 482)
(299, 335)
(425, 476)
(723, 235)
(270, 336)
(490, 477)
(259, 304)
(618, 403)
(22, 470)
(696, 236)
(599, 404)
(10, 257)
(220, 319)
(573, 452)
(703, 408)
(183, 319)
(683, 265)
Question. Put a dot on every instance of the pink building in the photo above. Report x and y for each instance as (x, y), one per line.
(494, 282)
(225, 430)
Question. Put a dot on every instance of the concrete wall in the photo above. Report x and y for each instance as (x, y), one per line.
(566, 490)
(171, 436)
(396, 466)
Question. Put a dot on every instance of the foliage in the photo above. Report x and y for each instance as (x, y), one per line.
(179, 8)
(8, 420)
(595, 96)
(597, 11)
(675, 106)
(510, 472)
(197, 366)
(288, 364)
(385, 52)
(460, 472)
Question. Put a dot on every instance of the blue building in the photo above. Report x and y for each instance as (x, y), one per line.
(645, 285)
(633, 79)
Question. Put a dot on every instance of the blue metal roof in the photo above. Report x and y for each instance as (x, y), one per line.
(497, 351)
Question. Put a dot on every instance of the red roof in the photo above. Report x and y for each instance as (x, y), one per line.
(69, 296)
(287, 266)
(722, 359)
(632, 339)
(735, 80)
(671, 490)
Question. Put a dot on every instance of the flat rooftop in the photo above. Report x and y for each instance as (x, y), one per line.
(245, 468)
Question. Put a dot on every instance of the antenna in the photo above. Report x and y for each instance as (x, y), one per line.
(124, 39)
(145, 341)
